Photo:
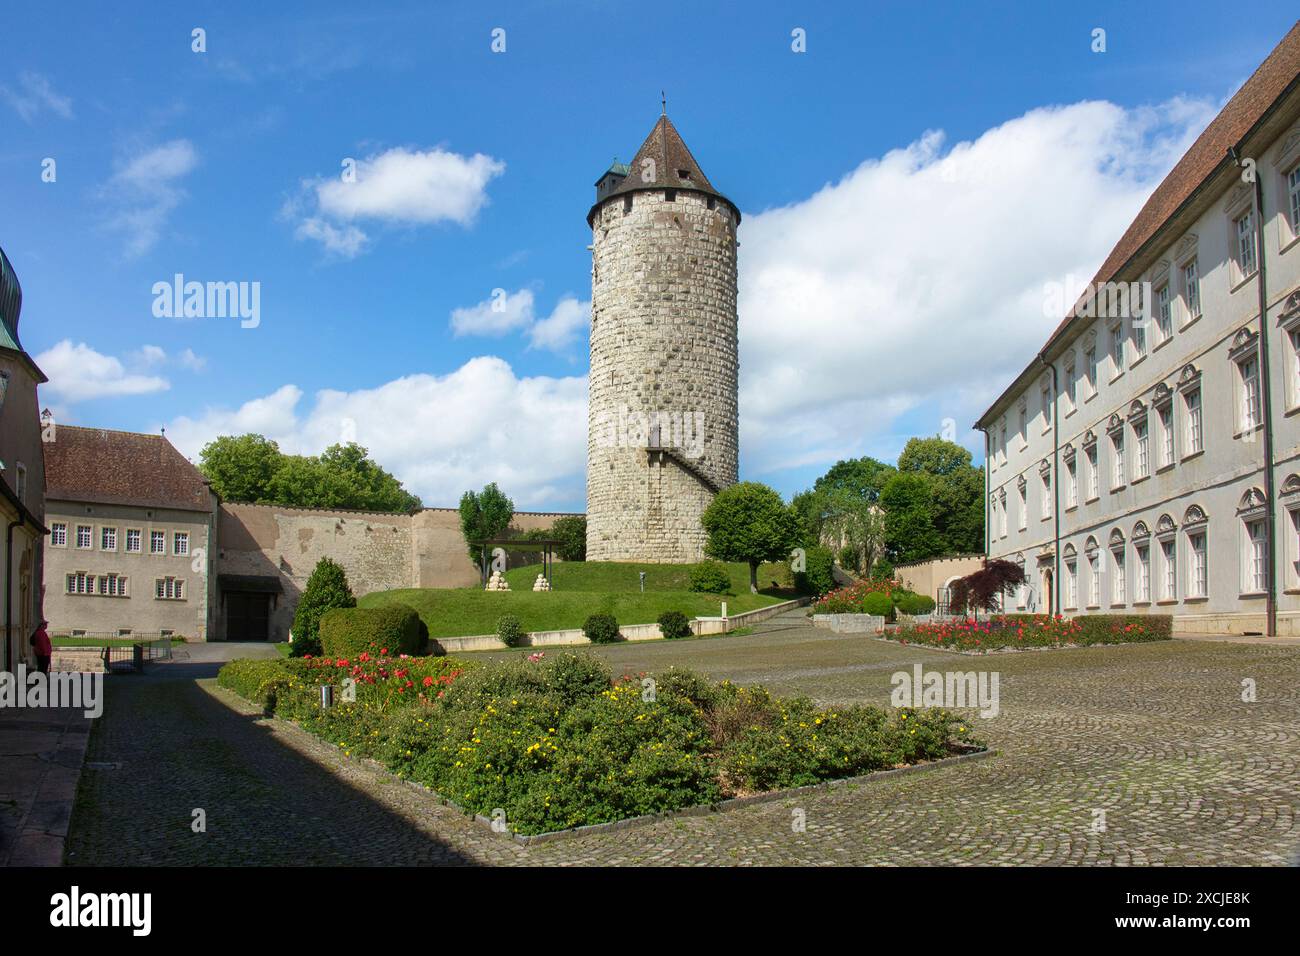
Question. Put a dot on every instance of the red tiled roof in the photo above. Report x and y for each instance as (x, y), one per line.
(125, 468)
(1247, 107)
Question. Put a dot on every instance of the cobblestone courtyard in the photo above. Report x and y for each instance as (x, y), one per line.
(1157, 736)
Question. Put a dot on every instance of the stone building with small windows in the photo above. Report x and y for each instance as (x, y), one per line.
(1147, 460)
(132, 536)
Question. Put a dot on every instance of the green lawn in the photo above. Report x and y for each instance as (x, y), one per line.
(580, 590)
(615, 576)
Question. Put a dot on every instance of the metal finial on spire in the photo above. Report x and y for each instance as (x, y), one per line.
(663, 99)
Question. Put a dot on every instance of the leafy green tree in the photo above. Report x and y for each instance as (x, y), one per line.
(864, 477)
(571, 532)
(910, 534)
(241, 467)
(749, 522)
(365, 481)
(326, 589)
(252, 468)
(856, 524)
(808, 508)
(484, 514)
(957, 492)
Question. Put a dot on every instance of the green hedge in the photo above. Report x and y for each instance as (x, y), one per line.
(674, 624)
(710, 577)
(259, 681)
(601, 629)
(817, 577)
(347, 632)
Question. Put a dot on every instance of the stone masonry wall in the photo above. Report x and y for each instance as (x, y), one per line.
(663, 342)
(374, 550)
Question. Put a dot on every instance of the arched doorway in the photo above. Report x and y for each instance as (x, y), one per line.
(1048, 591)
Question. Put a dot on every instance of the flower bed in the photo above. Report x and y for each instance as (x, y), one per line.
(1038, 630)
(556, 742)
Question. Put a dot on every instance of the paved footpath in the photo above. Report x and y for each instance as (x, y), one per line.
(1143, 754)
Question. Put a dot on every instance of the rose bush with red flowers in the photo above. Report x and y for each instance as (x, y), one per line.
(1038, 630)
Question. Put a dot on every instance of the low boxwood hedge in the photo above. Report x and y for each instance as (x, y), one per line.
(601, 629)
(259, 681)
(674, 624)
(392, 629)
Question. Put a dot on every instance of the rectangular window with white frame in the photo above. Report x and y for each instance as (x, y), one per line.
(1071, 484)
(1255, 565)
(1094, 575)
(1071, 389)
(107, 539)
(1071, 585)
(1192, 289)
(1248, 375)
(1198, 571)
(132, 540)
(1047, 495)
(1244, 231)
(1166, 416)
(1090, 364)
(1117, 348)
(1293, 199)
(1021, 493)
(1045, 398)
(1195, 434)
(59, 534)
(1142, 460)
(84, 536)
(157, 542)
(1142, 553)
(1164, 319)
(1117, 460)
(1119, 574)
(181, 543)
(1169, 569)
(1094, 473)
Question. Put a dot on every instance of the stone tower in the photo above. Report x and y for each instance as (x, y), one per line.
(662, 403)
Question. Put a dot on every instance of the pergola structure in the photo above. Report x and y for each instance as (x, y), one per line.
(545, 545)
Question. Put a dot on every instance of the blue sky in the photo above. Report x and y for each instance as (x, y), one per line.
(855, 262)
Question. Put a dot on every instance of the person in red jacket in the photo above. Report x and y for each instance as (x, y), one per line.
(41, 644)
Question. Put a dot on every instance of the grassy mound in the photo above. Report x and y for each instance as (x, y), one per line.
(622, 576)
(457, 612)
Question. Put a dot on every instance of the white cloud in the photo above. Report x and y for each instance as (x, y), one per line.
(503, 312)
(346, 242)
(34, 95)
(440, 434)
(560, 329)
(399, 187)
(148, 356)
(916, 282)
(506, 312)
(78, 373)
(144, 191)
(188, 360)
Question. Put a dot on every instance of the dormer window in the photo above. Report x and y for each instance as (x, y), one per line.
(683, 174)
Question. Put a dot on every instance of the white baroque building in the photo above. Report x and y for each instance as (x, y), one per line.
(1147, 460)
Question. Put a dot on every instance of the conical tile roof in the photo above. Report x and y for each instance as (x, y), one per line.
(665, 162)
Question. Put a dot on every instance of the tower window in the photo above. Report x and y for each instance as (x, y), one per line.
(670, 195)
(627, 204)
(683, 174)
(712, 202)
